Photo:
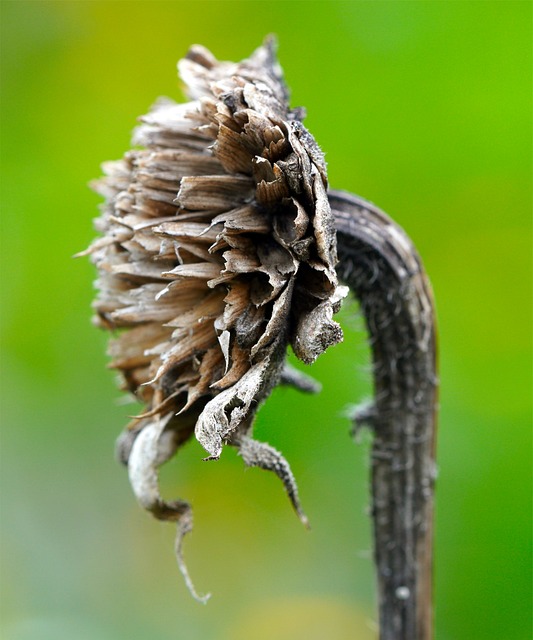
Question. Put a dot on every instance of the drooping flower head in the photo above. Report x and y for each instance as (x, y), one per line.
(217, 251)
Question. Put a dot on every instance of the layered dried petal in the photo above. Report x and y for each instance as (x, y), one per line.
(217, 252)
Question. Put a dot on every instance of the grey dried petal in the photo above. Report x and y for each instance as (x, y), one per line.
(149, 450)
(231, 408)
(218, 251)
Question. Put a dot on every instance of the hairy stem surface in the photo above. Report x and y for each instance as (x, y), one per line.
(381, 266)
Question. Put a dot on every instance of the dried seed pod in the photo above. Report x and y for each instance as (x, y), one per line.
(218, 250)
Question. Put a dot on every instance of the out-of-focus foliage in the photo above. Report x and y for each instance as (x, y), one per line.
(422, 107)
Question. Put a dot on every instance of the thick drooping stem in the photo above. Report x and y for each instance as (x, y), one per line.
(381, 266)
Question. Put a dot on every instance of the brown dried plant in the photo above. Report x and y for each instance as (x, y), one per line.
(217, 252)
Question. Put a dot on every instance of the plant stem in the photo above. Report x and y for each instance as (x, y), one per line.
(380, 264)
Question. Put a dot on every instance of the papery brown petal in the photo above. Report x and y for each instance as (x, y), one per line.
(277, 324)
(247, 219)
(213, 193)
(239, 365)
(201, 270)
(185, 229)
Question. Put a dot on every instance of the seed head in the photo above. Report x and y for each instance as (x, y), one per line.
(217, 251)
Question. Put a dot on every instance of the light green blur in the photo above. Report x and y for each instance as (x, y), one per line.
(421, 107)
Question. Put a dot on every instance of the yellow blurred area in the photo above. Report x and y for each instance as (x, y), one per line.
(302, 619)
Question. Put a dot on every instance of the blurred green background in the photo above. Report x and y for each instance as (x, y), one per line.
(422, 107)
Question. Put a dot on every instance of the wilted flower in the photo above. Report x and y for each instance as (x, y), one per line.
(217, 252)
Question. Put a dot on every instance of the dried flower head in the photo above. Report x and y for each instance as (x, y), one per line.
(217, 252)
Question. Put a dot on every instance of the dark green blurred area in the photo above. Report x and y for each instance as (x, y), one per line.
(422, 107)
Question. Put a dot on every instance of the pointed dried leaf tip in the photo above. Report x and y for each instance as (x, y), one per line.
(217, 252)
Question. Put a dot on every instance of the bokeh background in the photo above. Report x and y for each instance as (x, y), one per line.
(422, 107)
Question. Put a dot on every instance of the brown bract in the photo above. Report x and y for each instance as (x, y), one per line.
(217, 251)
